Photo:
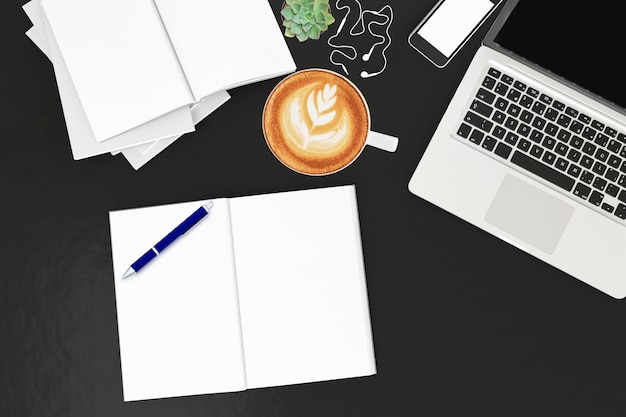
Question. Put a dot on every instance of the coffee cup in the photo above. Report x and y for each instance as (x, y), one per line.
(317, 122)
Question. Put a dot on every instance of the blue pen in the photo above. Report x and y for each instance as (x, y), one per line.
(178, 231)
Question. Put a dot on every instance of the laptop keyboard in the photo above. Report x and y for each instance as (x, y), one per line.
(532, 129)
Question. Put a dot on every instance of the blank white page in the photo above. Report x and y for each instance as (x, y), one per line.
(178, 317)
(120, 60)
(302, 290)
(222, 44)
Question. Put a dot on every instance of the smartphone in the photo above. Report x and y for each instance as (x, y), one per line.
(448, 26)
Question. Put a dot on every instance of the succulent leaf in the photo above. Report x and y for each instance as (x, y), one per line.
(306, 19)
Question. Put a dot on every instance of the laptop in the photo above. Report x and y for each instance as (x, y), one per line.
(532, 147)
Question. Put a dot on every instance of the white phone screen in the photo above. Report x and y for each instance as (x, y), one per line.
(452, 22)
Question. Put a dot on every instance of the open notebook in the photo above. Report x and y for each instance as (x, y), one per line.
(267, 290)
(133, 61)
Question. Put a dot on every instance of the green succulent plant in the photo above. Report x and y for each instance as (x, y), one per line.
(306, 19)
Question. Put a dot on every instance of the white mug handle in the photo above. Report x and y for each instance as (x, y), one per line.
(381, 141)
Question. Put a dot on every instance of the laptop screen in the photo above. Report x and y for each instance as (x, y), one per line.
(582, 42)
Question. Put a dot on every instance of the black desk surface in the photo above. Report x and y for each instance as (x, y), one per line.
(463, 324)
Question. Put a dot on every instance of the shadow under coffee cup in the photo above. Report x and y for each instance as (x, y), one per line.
(317, 122)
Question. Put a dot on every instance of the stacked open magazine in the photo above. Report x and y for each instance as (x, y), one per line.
(135, 75)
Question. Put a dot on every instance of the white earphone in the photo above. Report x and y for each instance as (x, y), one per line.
(386, 40)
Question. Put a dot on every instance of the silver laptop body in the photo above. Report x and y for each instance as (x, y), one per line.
(579, 236)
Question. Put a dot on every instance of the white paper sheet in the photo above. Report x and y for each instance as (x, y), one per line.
(178, 318)
(224, 44)
(302, 290)
(120, 61)
(280, 300)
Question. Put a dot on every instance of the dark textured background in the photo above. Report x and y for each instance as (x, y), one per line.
(463, 324)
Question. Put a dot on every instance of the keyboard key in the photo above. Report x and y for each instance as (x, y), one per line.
(563, 135)
(464, 130)
(551, 129)
(623, 152)
(536, 167)
(577, 142)
(610, 131)
(478, 121)
(623, 167)
(614, 146)
(589, 148)
(596, 198)
(601, 139)
(481, 108)
(545, 98)
(498, 117)
(558, 105)
(602, 155)
(582, 191)
(607, 207)
(486, 96)
(621, 137)
(526, 101)
(587, 177)
(514, 95)
(532, 92)
(576, 127)
(599, 168)
(499, 132)
(507, 79)
(599, 183)
(489, 143)
(536, 151)
(563, 120)
(612, 190)
(488, 82)
(539, 107)
(523, 130)
(611, 175)
(514, 110)
(539, 122)
(494, 72)
(549, 142)
(503, 150)
(588, 133)
(561, 149)
(622, 181)
(574, 170)
(573, 155)
(476, 137)
(511, 123)
(527, 117)
(620, 211)
(584, 118)
(622, 196)
(536, 136)
(597, 125)
(524, 145)
(551, 114)
(615, 161)
(511, 138)
(501, 104)
(548, 157)
(571, 112)
(519, 85)
(501, 89)
(586, 161)
(561, 164)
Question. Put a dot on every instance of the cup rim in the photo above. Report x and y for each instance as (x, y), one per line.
(346, 79)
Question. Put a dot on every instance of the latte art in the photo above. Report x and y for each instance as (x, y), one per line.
(315, 122)
(315, 127)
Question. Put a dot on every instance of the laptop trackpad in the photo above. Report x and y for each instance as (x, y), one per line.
(529, 214)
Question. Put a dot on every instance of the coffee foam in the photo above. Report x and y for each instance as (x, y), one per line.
(316, 122)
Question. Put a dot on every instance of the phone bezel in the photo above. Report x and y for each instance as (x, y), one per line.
(431, 53)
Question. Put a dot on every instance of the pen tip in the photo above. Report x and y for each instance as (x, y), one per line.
(128, 273)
